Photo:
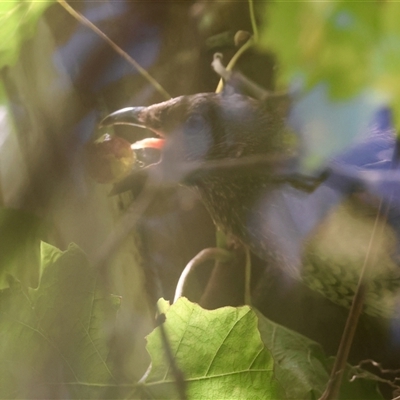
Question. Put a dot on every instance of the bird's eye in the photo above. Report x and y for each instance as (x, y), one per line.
(197, 138)
(195, 124)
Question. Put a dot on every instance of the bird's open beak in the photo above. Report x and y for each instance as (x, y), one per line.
(153, 143)
(132, 116)
(125, 116)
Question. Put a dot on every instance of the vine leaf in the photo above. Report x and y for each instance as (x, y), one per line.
(55, 337)
(300, 364)
(220, 353)
(238, 353)
(302, 367)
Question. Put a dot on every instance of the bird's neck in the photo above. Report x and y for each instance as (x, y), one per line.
(231, 201)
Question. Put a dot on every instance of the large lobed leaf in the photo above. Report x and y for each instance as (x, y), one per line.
(220, 353)
(237, 353)
(54, 339)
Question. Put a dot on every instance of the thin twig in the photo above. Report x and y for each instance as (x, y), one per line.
(333, 387)
(245, 47)
(179, 378)
(241, 82)
(233, 61)
(359, 373)
(190, 170)
(247, 279)
(377, 365)
(111, 245)
(118, 49)
(212, 253)
(253, 20)
(219, 68)
(124, 227)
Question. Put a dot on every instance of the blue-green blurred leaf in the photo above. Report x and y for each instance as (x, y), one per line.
(349, 48)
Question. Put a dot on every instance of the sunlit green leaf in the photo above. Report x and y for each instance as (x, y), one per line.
(220, 353)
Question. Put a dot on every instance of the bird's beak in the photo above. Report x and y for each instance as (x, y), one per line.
(125, 116)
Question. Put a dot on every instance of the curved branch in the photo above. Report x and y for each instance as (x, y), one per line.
(118, 49)
(212, 253)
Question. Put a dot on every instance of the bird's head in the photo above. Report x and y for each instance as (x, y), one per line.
(207, 127)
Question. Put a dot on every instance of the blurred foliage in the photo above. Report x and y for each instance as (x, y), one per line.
(350, 46)
(56, 335)
(19, 237)
(18, 21)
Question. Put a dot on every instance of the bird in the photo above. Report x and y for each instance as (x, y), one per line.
(241, 155)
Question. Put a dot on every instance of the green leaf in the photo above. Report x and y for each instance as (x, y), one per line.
(300, 364)
(302, 368)
(348, 46)
(55, 338)
(324, 42)
(219, 352)
(280, 34)
(18, 21)
(20, 234)
(48, 256)
(215, 349)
